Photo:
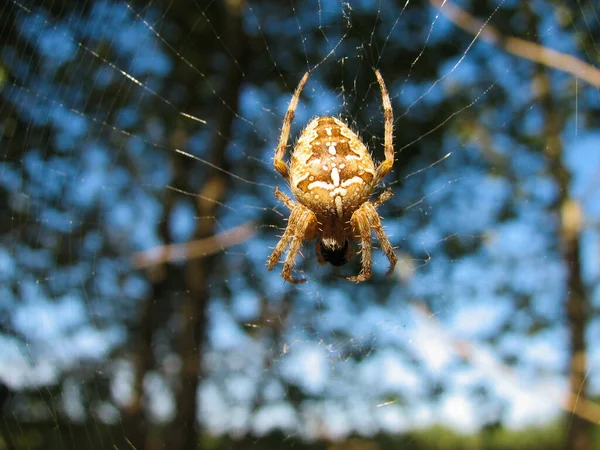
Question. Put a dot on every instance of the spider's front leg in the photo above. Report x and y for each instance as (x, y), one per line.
(278, 161)
(388, 116)
(301, 224)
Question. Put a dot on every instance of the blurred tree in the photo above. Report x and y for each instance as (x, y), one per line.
(98, 103)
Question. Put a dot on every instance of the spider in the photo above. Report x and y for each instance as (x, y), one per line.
(332, 177)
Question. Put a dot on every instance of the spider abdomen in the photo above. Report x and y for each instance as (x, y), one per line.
(331, 171)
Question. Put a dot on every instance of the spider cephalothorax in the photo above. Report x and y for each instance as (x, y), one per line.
(332, 176)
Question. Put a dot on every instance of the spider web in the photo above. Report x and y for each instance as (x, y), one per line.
(137, 144)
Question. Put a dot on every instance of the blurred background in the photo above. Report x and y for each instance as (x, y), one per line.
(136, 196)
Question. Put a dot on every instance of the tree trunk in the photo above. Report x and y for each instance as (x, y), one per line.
(185, 431)
(568, 211)
(580, 430)
(162, 277)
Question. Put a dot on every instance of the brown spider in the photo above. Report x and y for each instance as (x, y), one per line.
(332, 176)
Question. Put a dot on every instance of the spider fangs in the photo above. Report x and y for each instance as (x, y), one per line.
(332, 177)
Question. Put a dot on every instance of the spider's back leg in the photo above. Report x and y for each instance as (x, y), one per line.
(302, 225)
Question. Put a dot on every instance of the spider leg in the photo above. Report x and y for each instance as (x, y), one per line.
(278, 161)
(384, 242)
(363, 220)
(307, 220)
(388, 116)
(361, 227)
(279, 195)
(383, 197)
(301, 222)
(283, 243)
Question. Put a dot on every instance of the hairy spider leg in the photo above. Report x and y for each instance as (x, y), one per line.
(279, 195)
(362, 228)
(278, 161)
(301, 224)
(388, 145)
(362, 221)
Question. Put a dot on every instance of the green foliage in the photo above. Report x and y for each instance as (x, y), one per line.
(98, 437)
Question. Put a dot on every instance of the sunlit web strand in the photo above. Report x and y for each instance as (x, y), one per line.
(191, 194)
(388, 37)
(331, 52)
(429, 166)
(189, 64)
(441, 124)
(589, 31)
(302, 38)
(214, 166)
(212, 28)
(262, 34)
(441, 188)
(590, 34)
(412, 65)
(6, 27)
(81, 45)
(265, 42)
(6, 24)
(375, 25)
(464, 55)
(321, 22)
(103, 123)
